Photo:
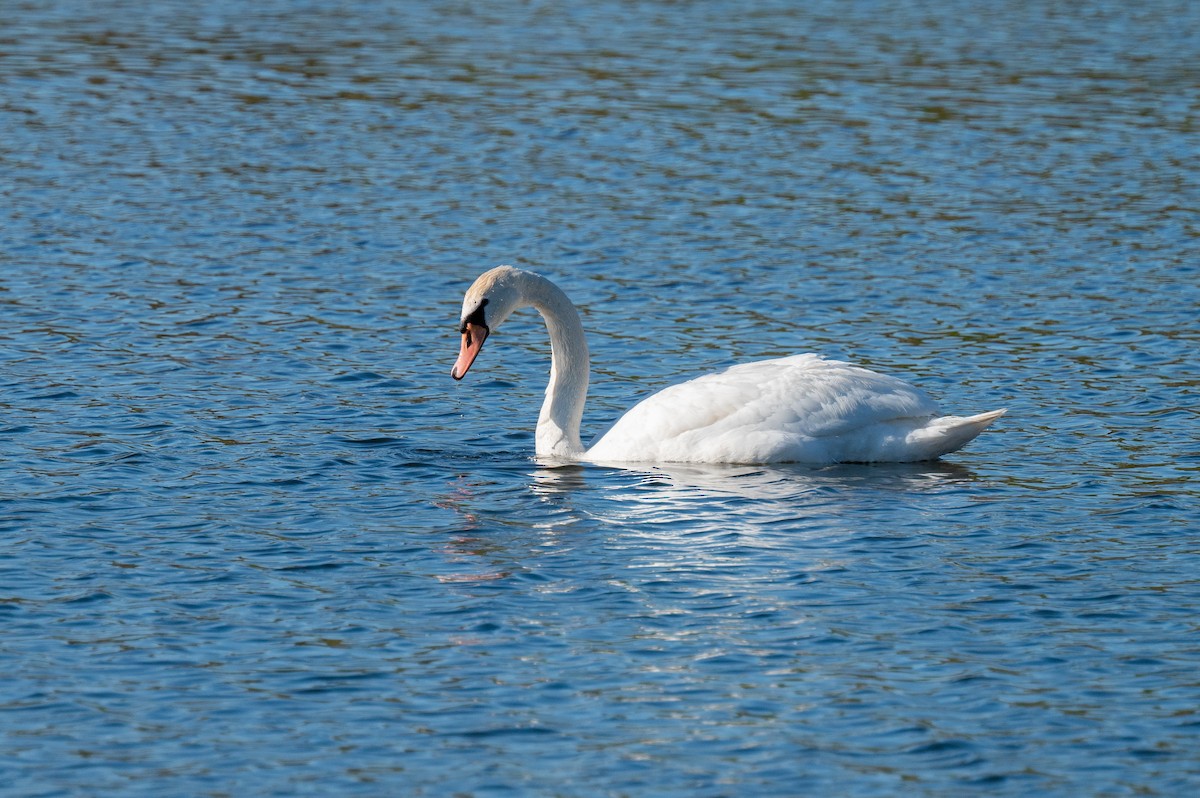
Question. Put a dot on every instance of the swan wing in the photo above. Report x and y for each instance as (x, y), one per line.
(803, 408)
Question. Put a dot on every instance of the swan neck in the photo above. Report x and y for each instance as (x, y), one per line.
(557, 434)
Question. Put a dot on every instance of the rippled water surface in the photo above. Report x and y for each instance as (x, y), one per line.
(255, 541)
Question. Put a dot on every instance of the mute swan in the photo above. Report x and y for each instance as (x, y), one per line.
(802, 408)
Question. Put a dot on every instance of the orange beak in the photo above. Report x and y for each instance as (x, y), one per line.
(472, 343)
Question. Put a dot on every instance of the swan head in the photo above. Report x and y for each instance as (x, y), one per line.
(490, 300)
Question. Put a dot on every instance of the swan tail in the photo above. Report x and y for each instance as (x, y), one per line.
(949, 433)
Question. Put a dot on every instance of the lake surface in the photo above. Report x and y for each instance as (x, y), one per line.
(255, 540)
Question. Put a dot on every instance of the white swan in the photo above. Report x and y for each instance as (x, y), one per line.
(802, 408)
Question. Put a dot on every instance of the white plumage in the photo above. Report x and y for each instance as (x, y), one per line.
(802, 408)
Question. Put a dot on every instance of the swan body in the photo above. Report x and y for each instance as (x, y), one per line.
(802, 408)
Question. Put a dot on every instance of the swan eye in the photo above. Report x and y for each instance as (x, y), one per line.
(476, 317)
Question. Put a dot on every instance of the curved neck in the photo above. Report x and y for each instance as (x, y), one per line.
(558, 424)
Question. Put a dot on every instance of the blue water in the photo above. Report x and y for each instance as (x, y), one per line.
(255, 541)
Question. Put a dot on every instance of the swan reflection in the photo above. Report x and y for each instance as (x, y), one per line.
(754, 482)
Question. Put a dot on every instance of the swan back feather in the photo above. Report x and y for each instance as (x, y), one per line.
(802, 408)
